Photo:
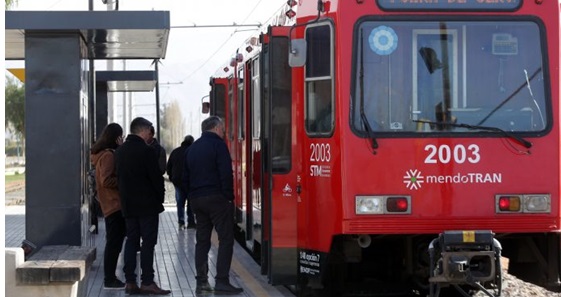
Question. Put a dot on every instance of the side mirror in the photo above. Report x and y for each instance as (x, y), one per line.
(297, 54)
(206, 107)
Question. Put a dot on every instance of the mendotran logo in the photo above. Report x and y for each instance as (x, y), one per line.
(413, 179)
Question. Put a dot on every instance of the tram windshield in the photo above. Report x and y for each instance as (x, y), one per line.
(434, 76)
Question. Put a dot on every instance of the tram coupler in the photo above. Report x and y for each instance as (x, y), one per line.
(465, 259)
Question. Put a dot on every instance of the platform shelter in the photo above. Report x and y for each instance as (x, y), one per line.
(59, 48)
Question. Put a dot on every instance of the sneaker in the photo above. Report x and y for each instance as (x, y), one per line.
(203, 287)
(191, 226)
(113, 284)
(132, 289)
(153, 289)
(226, 288)
(181, 226)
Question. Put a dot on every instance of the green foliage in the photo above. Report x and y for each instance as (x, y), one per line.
(13, 178)
(10, 3)
(15, 100)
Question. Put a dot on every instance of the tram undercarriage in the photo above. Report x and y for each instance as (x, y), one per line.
(429, 265)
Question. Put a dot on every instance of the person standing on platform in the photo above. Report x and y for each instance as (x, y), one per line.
(102, 156)
(142, 195)
(160, 150)
(209, 179)
(175, 166)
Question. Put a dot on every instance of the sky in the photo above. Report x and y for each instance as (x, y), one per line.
(192, 55)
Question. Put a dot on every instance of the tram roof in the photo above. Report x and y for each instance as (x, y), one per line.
(113, 34)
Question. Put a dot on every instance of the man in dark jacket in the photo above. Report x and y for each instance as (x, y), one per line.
(141, 187)
(210, 183)
(160, 150)
(175, 166)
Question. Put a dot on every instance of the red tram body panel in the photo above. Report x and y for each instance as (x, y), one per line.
(365, 129)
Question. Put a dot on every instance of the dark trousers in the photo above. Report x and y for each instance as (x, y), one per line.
(145, 227)
(181, 199)
(115, 231)
(214, 212)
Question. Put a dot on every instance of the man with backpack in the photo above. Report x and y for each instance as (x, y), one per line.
(174, 168)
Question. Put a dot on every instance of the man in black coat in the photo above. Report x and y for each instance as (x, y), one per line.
(141, 187)
(209, 179)
(175, 166)
(160, 150)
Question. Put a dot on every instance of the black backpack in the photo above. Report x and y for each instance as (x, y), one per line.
(95, 208)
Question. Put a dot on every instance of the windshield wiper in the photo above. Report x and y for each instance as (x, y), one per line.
(367, 127)
(516, 138)
(534, 99)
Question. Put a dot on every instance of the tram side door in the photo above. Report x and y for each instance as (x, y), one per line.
(251, 157)
(281, 161)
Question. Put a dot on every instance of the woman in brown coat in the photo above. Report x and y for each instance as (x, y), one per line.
(102, 156)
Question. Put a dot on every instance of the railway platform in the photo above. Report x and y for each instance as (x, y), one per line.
(174, 260)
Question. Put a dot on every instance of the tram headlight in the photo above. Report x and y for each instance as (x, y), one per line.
(391, 204)
(369, 205)
(537, 203)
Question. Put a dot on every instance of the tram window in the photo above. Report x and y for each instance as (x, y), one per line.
(256, 100)
(241, 105)
(319, 107)
(281, 106)
(318, 40)
(218, 100)
(419, 77)
(319, 76)
(232, 109)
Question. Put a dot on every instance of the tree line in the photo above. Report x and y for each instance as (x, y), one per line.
(172, 123)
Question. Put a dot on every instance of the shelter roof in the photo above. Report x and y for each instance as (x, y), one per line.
(109, 34)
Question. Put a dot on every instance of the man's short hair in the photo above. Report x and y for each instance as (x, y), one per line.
(188, 140)
(139, 124)
(210, 122)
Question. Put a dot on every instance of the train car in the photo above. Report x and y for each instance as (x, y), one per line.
(399, 146)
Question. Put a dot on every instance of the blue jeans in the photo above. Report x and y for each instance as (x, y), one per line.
(181, 199)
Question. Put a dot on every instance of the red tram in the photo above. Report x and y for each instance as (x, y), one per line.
(388, 142)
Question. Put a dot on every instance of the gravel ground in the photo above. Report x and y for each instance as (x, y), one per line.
(15, 193)
(514, 287)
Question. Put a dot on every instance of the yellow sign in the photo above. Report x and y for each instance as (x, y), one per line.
(19, 73)
(469, 236)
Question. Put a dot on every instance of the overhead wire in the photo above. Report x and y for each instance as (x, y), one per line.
(254, 7)
(55, 4)
(211, 56)
(225, 42)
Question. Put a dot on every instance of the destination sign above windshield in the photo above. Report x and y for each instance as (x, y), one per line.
(450, 5)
